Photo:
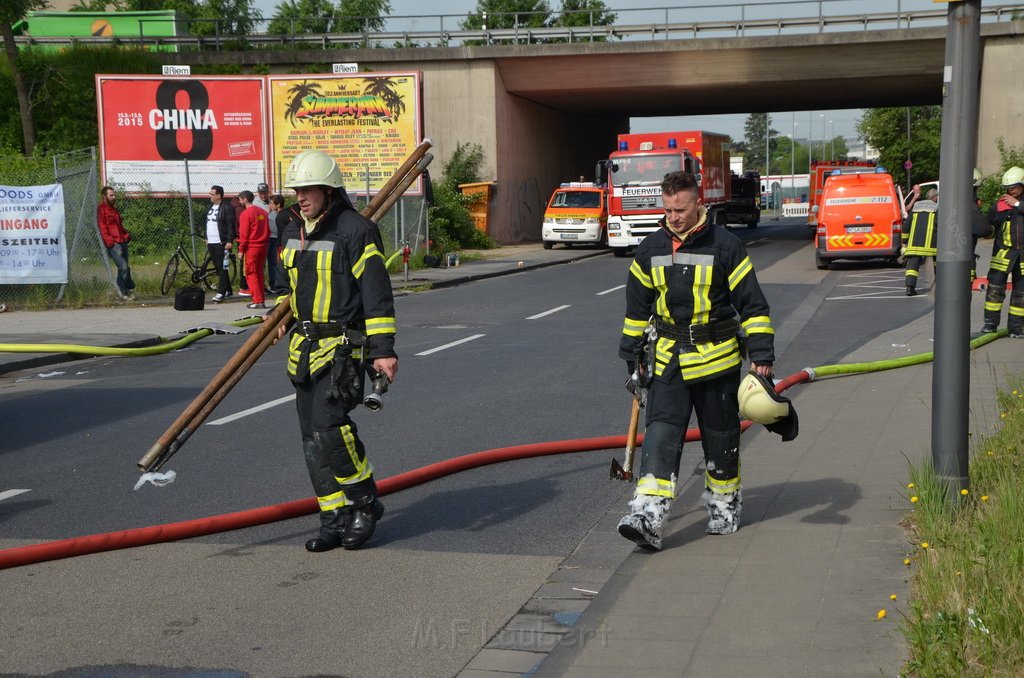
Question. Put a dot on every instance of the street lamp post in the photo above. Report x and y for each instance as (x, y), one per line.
(767, 138)
(823, 133)
(832, 136)
(792, 158)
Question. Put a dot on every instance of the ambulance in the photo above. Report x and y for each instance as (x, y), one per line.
(859, 217)
(576, 213)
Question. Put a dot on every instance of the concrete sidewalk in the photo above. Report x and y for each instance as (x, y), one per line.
(796, 592)
(798, 589)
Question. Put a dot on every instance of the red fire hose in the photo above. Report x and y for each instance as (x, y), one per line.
(156, 534)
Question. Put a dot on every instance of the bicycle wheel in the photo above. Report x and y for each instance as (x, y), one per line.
(207, 275)
(170, 273)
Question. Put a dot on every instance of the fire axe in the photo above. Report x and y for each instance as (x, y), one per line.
(624, 471)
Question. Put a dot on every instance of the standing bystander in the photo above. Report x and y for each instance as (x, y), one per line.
(220, 235)
(253, 236)
(115, 239)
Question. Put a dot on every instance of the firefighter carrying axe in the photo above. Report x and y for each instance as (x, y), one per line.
(624, 471)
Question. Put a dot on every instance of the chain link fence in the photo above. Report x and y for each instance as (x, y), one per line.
(157, 222)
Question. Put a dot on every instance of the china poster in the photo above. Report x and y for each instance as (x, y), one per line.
(151, 127)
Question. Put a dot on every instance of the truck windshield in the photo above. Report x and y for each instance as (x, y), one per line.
(644, 169)
(577, 199)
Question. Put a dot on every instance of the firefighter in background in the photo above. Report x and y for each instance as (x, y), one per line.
(1007, 219)
(919, 231)
(688, 280)
(344, 318)
(980, 228)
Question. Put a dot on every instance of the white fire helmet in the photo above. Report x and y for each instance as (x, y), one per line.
(1014, 175)
(761, 404)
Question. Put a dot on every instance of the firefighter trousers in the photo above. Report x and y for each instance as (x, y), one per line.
(913, 271)
(996, 293)
(335, 456)
(669, 405)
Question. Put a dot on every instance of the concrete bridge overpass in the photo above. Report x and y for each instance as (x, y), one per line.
(546, 113)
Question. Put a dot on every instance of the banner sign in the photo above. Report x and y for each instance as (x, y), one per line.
(150, 125)
(369, 123)
(32, 247)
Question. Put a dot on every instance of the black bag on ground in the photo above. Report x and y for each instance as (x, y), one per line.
(189, 299)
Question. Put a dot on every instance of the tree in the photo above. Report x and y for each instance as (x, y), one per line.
(583, 13)
(492, 14)
(898, 139)
(11, 12)
(303, 16)
(324, 16)
(757, 132)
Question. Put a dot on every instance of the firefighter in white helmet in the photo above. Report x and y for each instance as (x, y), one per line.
(980, 228)
(1007, 219)
(344, 312)
(688, 280)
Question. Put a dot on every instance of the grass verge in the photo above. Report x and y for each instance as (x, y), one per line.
(966, 615)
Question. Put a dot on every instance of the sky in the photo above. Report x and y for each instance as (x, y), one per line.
(814, 125)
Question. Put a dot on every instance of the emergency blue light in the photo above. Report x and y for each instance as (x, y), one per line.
(836, 171)
(623, 145)
(672, 143)
(880, 170)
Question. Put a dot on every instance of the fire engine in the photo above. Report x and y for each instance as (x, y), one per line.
(637, 168)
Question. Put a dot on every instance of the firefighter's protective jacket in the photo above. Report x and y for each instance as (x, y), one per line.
(704, 280)
(337, 276)
(920, 229)
(1008, 237)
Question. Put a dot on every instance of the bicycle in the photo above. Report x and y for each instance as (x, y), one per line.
(204, 273)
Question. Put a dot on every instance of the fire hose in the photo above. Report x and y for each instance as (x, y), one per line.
(155, 534)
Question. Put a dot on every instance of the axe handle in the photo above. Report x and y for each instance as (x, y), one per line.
(634, 424)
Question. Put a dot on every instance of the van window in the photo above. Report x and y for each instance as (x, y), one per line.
(587, 199)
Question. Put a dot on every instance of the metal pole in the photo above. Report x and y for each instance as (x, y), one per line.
(951, 367)
(767, 161)
(188, 203)
(908, 163)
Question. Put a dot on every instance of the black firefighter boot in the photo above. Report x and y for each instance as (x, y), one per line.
(364, 513)
(332, 531)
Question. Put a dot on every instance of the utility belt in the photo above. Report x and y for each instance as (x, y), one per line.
(714, 332)
(316, 331)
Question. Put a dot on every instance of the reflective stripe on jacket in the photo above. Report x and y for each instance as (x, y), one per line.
(707, 279)
(919, 230)
(336, 274)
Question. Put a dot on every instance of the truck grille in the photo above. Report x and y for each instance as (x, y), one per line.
(641, 202)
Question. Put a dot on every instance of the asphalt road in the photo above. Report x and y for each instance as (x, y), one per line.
(512, 360)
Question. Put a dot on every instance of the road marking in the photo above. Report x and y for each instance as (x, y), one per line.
(454, 343)
(251, 410)
(556, 309)
(614, 289)
(7, 494)
(879, 295)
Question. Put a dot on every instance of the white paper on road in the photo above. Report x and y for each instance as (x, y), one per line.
(158, 479)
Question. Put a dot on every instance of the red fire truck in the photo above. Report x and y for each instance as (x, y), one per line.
(638, 167)
(820, 171)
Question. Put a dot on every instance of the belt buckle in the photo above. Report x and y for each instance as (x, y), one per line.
(305, 325)
(693, 339)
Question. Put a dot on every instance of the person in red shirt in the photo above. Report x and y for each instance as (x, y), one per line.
(115, 239)
(253, 238)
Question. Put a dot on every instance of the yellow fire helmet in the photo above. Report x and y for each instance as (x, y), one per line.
(761, 404)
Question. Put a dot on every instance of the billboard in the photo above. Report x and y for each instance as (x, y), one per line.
(369, 123)
(32, 244)
(149, 126)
